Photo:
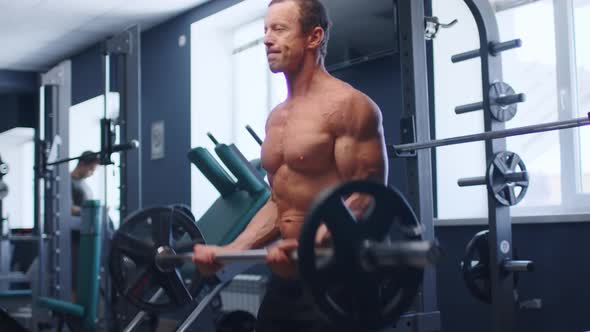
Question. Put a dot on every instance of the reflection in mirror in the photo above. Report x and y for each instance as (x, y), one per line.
(85, 118)
(17, 151)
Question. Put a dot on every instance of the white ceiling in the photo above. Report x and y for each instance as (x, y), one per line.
(35, 34)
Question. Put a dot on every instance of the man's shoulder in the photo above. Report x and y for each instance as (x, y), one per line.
(351, 100)
(277, 110)
(273, 115)
(355, 111)
(346, 95)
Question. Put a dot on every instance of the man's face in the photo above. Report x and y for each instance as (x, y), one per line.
(88, 170)
(283, 37)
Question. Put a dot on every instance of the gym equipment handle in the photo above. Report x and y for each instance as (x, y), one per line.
(133, 144)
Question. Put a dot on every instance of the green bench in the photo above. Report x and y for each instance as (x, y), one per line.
(81, 315)
(239, 200)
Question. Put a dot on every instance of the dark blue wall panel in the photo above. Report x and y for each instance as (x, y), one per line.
(17, 82)
(561, 253)
(17, 110)
(87, 77)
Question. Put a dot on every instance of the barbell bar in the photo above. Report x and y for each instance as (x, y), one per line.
(400, 150)
(373, 255)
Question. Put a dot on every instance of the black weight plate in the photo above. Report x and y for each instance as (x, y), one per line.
(502, 113)
(343, 290)
(3, 190)
(186, 209)
(505, 191)
(3, 169)
(132, 259)
(476, 267)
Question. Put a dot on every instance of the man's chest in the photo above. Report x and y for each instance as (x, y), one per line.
(302, 138)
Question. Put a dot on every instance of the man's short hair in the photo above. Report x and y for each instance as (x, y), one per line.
(312, 13)
(88, 157)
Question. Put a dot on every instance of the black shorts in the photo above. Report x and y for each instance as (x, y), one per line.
(287, 307)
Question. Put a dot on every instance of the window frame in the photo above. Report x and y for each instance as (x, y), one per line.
(569, 140)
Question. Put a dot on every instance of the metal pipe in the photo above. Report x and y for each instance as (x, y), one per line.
(469, 108)
(502, 101)
(140, 315)
(481, 180)
(510, 99)
(494, 49)
(518, 266)
(475, 181)
(202, 305)
(516, 176)
(486, 136)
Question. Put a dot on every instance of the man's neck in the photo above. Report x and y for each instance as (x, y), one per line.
(300, 83)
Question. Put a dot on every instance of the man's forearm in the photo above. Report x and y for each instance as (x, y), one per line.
(261, 230)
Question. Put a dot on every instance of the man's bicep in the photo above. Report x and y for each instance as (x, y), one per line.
(361, 158)
(360, 150)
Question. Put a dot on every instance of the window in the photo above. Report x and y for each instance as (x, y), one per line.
(231, 87)
(558, 162)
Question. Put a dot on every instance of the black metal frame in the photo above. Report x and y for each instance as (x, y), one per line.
(126, 50)
(4, 245)
(52, 180)
(415, 126)
(53, 184)
(500, 225)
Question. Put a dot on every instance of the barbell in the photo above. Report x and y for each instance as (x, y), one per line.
(368, 277)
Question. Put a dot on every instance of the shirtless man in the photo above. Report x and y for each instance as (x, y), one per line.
(323, 134)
